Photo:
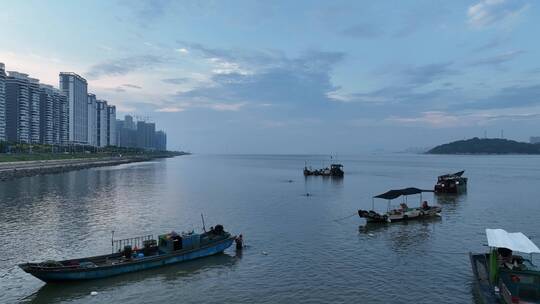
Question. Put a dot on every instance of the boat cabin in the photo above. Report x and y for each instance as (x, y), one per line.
(173, 241)
(513, 277)
(453, 183)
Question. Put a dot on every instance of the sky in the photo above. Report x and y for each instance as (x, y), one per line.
(294, 76)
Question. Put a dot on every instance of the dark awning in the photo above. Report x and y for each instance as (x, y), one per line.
(457, 174)
(392, 194)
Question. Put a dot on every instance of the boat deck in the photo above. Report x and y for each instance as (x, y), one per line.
(481, 274)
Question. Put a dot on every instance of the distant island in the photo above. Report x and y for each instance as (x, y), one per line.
(486, 146)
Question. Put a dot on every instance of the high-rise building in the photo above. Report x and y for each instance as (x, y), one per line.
(34, 109)
(47, 115)
(63, 116)
(129, 122)
(111, 125)
(76, 89)
(17, 107)
(92, 120)
(2, 102)
(101, 123)
(146, 135)
(161, 141)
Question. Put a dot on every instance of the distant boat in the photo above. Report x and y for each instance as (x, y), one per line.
(403, 213)
(170, 248)
(503, 277)
(451, 183)
(335, 170)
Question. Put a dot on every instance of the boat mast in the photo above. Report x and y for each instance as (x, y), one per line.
(203, 226)
(112, 241)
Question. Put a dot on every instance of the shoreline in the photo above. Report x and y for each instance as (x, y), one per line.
(18, 169)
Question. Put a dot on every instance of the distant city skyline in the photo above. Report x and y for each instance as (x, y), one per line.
(293, 77)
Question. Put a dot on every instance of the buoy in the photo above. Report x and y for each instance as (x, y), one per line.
(264, 252)
(94, 293)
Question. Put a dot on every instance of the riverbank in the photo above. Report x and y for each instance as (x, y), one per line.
(15, 169)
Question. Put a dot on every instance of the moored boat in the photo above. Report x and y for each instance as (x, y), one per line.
(403, 213)
(500, 275)
(453, 183)
(169, 249)
(335, 170)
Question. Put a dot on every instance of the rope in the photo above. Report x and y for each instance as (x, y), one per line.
(345, 217)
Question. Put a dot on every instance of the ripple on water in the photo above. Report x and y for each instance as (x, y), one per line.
(311, 257)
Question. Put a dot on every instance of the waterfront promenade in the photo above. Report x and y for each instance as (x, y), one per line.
(12, 170)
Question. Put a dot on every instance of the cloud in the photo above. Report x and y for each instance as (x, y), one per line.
(432, 118)
(364, 31)
(439, 119)
(264, 77)
(132, 86)
(221, 107)
(509, 97)
(490, 12)
(182, 51)
(419, 75)
(170, 109)
(497, 59)
(146, 13)
(491, 44)
(123, 66)
(179, 80)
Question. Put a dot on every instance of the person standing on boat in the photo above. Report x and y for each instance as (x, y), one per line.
(425, 205)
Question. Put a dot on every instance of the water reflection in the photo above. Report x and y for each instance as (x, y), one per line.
(450, 203)
(170, 275)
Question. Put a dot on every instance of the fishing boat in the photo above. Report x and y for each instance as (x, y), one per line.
(403, 213)
(453, 183)
(335, 170)
(135, 254)
(501, 276)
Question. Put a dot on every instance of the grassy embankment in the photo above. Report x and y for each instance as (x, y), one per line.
(23, 152)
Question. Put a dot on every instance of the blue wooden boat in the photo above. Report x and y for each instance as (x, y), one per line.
(501, 276)
(169, 249)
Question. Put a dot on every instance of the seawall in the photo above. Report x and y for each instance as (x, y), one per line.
(12, 170)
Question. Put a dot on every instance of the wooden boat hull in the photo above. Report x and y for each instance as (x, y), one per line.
(78, 274)
(414, 214)
(479, 265)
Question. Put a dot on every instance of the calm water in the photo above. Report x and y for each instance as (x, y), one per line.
(310, 257)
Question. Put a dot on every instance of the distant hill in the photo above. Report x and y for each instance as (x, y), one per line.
(486, 146)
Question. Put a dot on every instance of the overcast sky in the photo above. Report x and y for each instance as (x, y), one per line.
(294, 76)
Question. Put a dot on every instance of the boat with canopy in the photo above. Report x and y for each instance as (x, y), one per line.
(453, 183)
(501, 275)
(404, 212)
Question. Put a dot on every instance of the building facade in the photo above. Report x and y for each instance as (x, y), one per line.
(3, 77)
(101, 123)
(34, 108)
(92, 120)
(111, 126)
(146, 135)
(46, 113)
(161, 141)
(17, 107)
(76, 89)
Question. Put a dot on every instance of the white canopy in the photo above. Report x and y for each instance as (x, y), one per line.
(515, 241)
